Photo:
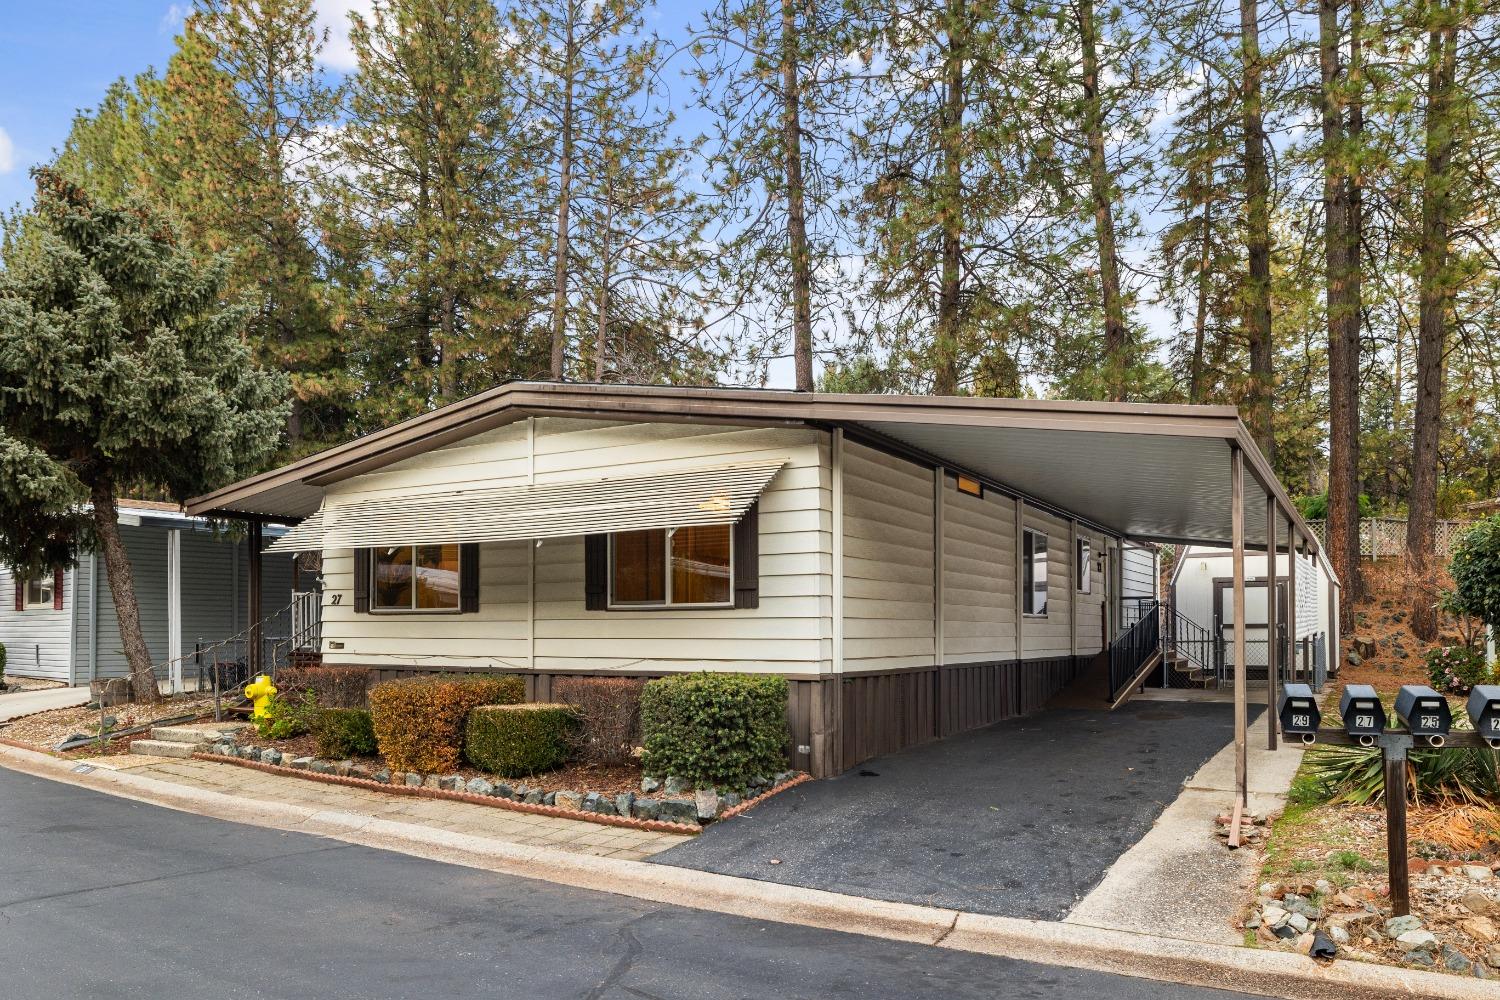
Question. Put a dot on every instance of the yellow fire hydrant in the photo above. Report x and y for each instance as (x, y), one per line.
(260, 692)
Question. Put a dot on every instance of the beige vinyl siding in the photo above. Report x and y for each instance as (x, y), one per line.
(1050, 635)
(38, 641)
(888, 561)
(979, 576)
(790, 632)
(1090, 606)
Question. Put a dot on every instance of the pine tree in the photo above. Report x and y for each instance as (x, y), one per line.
(769, 72)
(429, 205)
(246, 119)
(123, 368)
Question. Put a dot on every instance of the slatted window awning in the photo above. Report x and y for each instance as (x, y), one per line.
(712, 495)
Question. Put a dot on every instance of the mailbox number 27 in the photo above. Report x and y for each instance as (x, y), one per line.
(1364, 721)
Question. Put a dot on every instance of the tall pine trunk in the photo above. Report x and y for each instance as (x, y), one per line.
(564, 203)
(1341, 260)
(1101, 194)
(801, 256)
(122, 586)
(950, 206)
(1257, 306)
(1432, 304)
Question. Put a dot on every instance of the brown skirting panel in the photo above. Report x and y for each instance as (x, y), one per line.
(835, 723)
(890, 711)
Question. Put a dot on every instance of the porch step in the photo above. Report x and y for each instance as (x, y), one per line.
(164, 748)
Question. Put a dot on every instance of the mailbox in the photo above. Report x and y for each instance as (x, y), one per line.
(1484, 712)
(1363, 715)
(1299, 714)
(1425, 713)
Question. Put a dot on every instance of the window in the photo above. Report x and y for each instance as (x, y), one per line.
(1085, 567)
(40, 592)
(414, 578)
(1034, 573)
(681, 567)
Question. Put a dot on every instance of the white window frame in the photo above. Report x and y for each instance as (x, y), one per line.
(48, 584)
(1028, 571)
(665, 604)
(1084, 571)
(414, 610)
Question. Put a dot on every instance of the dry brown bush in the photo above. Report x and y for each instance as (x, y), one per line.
(609, 713)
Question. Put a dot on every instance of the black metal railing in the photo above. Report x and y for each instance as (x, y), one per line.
(1133, 648)
(1189, 652)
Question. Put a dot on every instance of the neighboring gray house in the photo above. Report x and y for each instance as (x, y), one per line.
(190, 582)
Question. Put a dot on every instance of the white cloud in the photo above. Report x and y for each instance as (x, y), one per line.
(338, 54)
(173, 18)
(7, 153)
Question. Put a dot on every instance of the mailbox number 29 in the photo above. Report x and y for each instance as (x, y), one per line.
(1301, 721)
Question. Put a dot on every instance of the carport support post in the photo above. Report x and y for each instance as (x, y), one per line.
(1241, 706)
(257, 536)
(1273, 645)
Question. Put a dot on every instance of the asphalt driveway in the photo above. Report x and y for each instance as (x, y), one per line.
(1020, 819)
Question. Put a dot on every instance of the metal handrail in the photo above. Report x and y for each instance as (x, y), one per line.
(1133, 648)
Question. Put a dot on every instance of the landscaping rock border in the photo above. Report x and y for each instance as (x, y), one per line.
(684, 815)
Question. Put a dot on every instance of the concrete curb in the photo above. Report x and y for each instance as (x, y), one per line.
(1267, 973)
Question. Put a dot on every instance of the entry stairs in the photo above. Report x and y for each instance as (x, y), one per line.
(186, 740)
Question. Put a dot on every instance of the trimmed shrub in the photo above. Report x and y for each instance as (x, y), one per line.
(333, 687)
(609, 716)
(714, 729)
(419, 721)
(519, 740)
(2, 666)
(286, 716)
(344, 732)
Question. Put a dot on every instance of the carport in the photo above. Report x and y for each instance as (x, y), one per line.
(1021, 819)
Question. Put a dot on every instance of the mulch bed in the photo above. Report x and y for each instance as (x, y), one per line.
(45, 730)
(603, 778)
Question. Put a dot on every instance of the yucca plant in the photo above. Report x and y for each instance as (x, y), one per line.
(1356, 775)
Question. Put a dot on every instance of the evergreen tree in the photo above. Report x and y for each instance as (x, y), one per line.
(246, 123)
(122, 369)
(428, 205)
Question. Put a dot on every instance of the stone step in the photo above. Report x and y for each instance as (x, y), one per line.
(163, 748)
(196, 732)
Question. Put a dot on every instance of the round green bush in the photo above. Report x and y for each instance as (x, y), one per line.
(344, 732)
(519, 740)
(714, 729)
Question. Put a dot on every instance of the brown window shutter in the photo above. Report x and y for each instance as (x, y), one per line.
(468, 578)
(596, 572)
(747, 559)
(361, 581)
(20, 591)
(57, 590)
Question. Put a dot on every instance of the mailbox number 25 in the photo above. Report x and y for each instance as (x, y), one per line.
(1430, 722)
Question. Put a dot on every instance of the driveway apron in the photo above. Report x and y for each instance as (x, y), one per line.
(1019, 819)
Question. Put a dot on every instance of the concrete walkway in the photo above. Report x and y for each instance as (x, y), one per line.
(522, 828)
(19, 703)
(1179, 880)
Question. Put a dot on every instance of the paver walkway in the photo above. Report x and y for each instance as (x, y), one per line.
(443, 814)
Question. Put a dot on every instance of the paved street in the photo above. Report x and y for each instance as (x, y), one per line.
(100, 896)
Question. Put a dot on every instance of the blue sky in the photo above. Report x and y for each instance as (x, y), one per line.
(57, 59)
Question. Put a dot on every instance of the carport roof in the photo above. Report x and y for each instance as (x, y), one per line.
(1151, 472)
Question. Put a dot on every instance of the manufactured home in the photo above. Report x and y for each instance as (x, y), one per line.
(915, 566)
(191, 583)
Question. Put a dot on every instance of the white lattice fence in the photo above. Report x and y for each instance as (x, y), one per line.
(1385, 537)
